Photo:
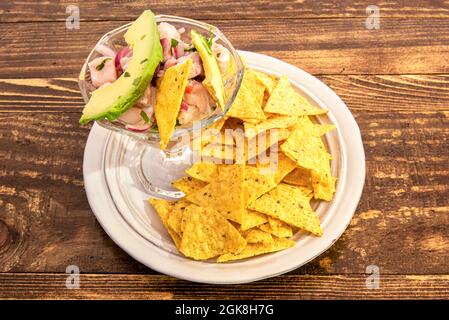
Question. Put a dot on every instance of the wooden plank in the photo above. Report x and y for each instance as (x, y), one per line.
(401, 224)
(120, 286)
(361, 92)
(320, 46)
(20, 11)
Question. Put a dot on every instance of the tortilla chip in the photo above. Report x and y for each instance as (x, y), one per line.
(208, 234)
(248, 102)
(274, 122)
(289, 204)
(168, 99)
(174, 220)
(226, 194)
(306, 149)
(257, 183)
(204, 171)
(281, 167)
(277, 228)
(218, 153)
(299, 177)
(323, 185)
(257, 236)
(252, 219)
(322, 129)
(265, 141)
(268, 82)
(207, 135)
(254, 249)
(188, 185)
(163, 208)
(286, 100)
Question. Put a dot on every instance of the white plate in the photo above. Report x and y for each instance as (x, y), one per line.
(121, 207)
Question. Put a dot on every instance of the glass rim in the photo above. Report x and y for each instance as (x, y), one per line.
(205, 122)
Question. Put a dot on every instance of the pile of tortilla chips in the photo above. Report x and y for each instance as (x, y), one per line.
(260, 167)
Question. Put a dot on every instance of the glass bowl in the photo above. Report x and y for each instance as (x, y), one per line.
(154, 168)
(114, 39)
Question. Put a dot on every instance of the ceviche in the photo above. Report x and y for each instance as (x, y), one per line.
(164, 76)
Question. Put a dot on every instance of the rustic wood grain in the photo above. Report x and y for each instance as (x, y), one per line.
(23, 11)
(119, 286)
(401, 224)
(369, 93)
(319, 46)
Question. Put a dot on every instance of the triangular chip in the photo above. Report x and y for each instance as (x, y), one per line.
(299, 177)
(207, 234)
(290, 205)
(163, 208)
(257, 236)
(306, 149)
(252, 219)
(323, 185)
(229, 201)
(268, 82)
(248, 102)
(257, 183)
(281, 166)
(274, 122)
(254, 249)
(168, 99)
(189, 185)
(207, 134)
(286, 100)
(174, 220)
(277, 228)
(204, 171)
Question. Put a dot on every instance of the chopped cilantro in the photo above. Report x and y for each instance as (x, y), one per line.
(144, 60)
(126, 74)
(174, 43)
(144, 116)
(101, 65)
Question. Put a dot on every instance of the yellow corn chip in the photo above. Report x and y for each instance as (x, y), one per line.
(257, 183)
(299, 177)
(274, 122)
(218, 153)
(323, 185)
(254, 249)
(268, 82)
(163, 208)
(281, 166)
(225, 194)
(168, 99)
(289, 204)
(277, 228)
(252, 219)
(264, 141)
(189, 185)
(322, 129)
(306, 149)
(286, 100)
(207, 135)
(248, 102)
(174, 220)
(204, 171)
(207, 234)
(257, 236)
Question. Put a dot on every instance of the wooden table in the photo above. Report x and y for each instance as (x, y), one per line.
(395, 80)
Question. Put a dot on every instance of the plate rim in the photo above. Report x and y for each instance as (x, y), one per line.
(130, 242)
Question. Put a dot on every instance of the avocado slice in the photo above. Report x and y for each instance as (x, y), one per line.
(213, 80)
(113, 100)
